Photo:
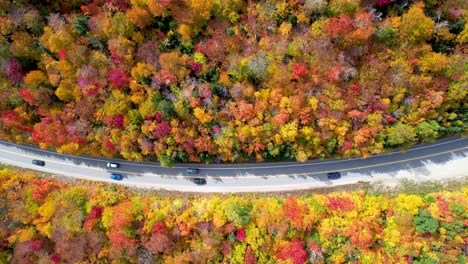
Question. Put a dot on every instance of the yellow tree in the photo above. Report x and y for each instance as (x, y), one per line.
(139, 16)
(415, 26)
(289, 131)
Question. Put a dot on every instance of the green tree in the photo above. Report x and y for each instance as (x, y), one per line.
(135, 117)
(427, 130)
(387, 35)
(80, 25)
(166, 161)
(400, 134)
(238, 212)
(166, 108)
(425, 223)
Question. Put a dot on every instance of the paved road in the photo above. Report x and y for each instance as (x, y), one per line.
(237, 177)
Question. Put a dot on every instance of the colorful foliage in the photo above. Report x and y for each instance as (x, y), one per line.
(234, 80)
(44, 220)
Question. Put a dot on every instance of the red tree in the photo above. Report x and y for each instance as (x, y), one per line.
(250, 256)
(27, 95)
(295, 251)
(240, 234)
(13, 70)
(122, 5)
(294, 211)
(118, 78)
(41, 188)
(340, 26)
(298, 71)
(163, 129)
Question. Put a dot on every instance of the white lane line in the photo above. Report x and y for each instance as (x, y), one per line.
(307, 164)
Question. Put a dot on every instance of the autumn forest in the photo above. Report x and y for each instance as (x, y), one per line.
(46, 221)
(231, 80)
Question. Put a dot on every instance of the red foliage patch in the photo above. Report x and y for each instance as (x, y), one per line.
(205, 91)
(53, 132)
(216, 129)
(295, 251)
(41, 188)
(356, 88)
(13, 70)
(158, 117)
(443, 206)
(163, 78)
(195, 67)
(10, 118)
(280, 118)
(294, 211)
(340, 26)
(120, 241)
(240, 234)
(360, 233)
(249, 257)
(199, 48)
(55, 258)
(109, 146)
(298, 71)
(226, 247)
(163, 129)
(383, 3)
(96, 212)
(347, 145)
(118, 78)
(390, 119)
(62, 54)
(335, 73)
(118, 121)
(35, 244)
(343, 203)
(93, 217)
(122, 5)
(245, 111)
(27, 95)
(159, 227)
(91, 9)
(304, 115)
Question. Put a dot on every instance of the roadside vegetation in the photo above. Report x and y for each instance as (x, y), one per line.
(46, 221)
(229, 81)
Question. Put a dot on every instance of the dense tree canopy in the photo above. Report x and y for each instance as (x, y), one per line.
(44, 221)
(215, 80)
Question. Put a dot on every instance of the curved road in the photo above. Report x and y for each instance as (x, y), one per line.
(250, 177)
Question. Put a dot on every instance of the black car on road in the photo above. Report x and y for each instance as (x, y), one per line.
(333, 175)
(199, 181)
(38, 162)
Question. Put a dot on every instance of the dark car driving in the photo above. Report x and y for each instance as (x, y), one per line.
(333, 175)
(199, 181)
(192, 171)
(38, 162)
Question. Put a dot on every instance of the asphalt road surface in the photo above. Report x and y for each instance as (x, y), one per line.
(252, 177)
